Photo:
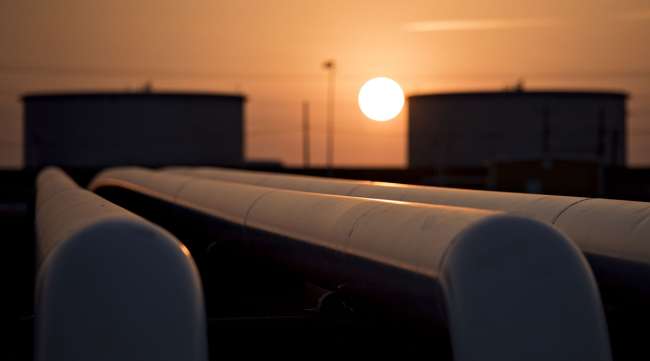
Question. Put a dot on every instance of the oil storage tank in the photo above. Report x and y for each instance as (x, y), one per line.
(473, 129)
(96, 130)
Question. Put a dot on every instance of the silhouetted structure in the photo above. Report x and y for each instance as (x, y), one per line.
(477, 128)
(103, 129)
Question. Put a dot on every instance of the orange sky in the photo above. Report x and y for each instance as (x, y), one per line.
(272, 51)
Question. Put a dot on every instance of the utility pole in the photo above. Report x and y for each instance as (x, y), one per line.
(305, 134)
(330, 66)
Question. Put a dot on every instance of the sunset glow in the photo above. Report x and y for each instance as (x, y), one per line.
(381, 99)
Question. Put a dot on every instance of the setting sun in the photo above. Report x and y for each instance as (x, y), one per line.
(381, 99)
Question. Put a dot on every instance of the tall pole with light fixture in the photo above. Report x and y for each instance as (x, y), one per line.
(330, 66)
(305, 134)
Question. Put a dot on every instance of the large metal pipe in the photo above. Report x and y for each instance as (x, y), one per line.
(614, 234)
(544, 208)
(110, 284)
(510, 288)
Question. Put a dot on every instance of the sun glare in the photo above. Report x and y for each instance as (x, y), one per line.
(381, 99)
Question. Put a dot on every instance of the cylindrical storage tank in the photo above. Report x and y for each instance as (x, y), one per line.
(451, 130)
(96, 130)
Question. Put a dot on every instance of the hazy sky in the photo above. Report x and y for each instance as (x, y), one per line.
(272, 51)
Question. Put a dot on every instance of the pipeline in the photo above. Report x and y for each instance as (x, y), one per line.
(110, 285)
(613, 234)
(509, 288)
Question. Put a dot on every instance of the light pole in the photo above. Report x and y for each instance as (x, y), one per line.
(305, 134)
(330, 66)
